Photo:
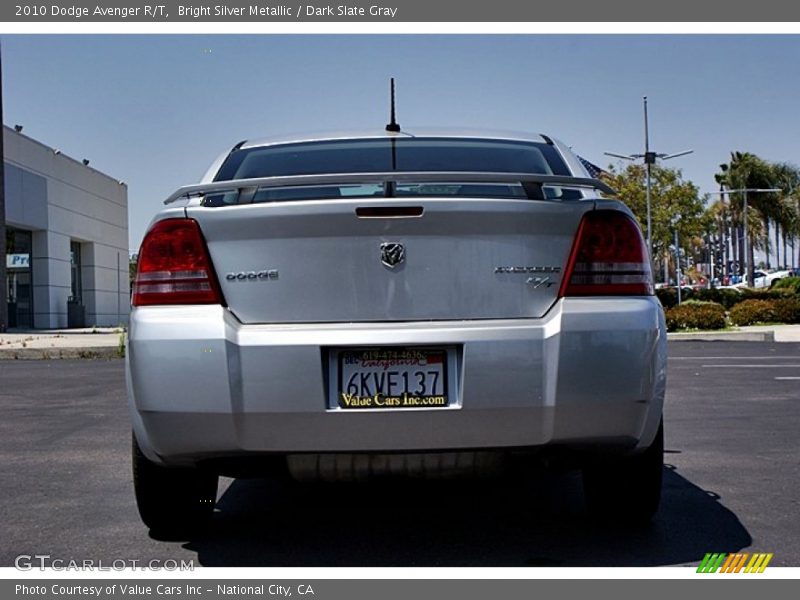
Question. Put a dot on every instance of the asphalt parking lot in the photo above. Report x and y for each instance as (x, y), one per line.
(731, 483)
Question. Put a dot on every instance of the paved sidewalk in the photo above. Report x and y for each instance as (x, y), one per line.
(104, 342)
(93, 342)
(752, 333)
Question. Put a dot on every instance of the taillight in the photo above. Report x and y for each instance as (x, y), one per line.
(608, 258)
(174, 267)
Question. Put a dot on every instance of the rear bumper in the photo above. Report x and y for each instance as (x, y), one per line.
(202, 385)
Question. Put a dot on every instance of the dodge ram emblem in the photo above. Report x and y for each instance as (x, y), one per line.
(392, 254)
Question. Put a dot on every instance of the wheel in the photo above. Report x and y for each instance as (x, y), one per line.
(626, 489)
(172, 500)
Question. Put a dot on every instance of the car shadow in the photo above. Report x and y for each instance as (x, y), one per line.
(537, 522)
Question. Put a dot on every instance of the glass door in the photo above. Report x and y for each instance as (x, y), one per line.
(19, 278)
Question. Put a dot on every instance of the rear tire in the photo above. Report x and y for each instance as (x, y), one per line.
(626, 489)
(172, 501)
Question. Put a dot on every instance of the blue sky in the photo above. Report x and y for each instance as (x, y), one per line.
(155, 110)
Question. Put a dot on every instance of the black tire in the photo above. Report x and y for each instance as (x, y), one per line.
(172, 501)
(626, 490)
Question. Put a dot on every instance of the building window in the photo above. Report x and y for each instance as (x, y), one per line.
(19, 278)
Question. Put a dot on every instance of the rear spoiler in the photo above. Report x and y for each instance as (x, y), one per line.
(532, 183)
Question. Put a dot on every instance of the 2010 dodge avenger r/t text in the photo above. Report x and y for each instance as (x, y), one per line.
(394, 303)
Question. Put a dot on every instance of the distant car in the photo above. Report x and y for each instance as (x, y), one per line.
(763, 279)
(401, 304)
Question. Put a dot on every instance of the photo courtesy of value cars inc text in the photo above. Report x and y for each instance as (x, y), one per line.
(172, 589)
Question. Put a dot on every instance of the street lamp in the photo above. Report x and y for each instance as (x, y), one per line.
(748, 271)
(677, 257)
(649, 160)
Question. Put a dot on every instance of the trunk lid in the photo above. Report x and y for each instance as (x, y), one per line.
(321, 261)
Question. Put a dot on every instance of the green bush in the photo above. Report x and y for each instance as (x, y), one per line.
(782, 292)
(695, 314)
(727, 297)
(754, 294)
(753, 311)
(787, 310)
(788, 283)
(669, 296)
(765, 293)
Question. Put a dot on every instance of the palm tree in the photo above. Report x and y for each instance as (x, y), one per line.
(787, 177)
(791, 229)
(730, 223)
(716, 224)
(746, 170)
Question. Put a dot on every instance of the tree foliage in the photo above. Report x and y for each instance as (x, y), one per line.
(133, 261)
(674, 203)
(746, 170)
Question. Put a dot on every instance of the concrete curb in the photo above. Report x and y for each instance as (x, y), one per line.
(112, 352)
(97, 352)
(723, 336)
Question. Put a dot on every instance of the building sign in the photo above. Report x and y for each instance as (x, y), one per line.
(18, 261)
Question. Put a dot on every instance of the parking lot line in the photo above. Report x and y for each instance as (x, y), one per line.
(783, 357)
(750, 366)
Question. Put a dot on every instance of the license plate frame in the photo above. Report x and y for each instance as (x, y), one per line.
(436, 385)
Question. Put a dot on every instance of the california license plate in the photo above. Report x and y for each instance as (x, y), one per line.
(382, 378)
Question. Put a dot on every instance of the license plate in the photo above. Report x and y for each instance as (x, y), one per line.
(398, 378)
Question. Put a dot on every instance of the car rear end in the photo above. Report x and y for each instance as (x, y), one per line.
(415, 327)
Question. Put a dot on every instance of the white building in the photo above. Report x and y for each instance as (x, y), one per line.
(66, 240)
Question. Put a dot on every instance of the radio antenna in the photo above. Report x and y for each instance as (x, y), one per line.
(393, 125)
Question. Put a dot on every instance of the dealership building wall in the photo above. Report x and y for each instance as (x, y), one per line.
(66, 240)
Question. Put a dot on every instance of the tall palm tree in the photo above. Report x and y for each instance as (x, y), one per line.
(787, 178)
(791, 229)
(746, 170)
(716, 223)
(731, 223)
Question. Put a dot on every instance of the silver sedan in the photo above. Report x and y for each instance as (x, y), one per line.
(394, 303)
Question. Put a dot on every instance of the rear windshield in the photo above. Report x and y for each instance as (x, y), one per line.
(393, 154)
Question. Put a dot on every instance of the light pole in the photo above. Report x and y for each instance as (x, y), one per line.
(649, 160)
(748, 271)
(677, 258)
